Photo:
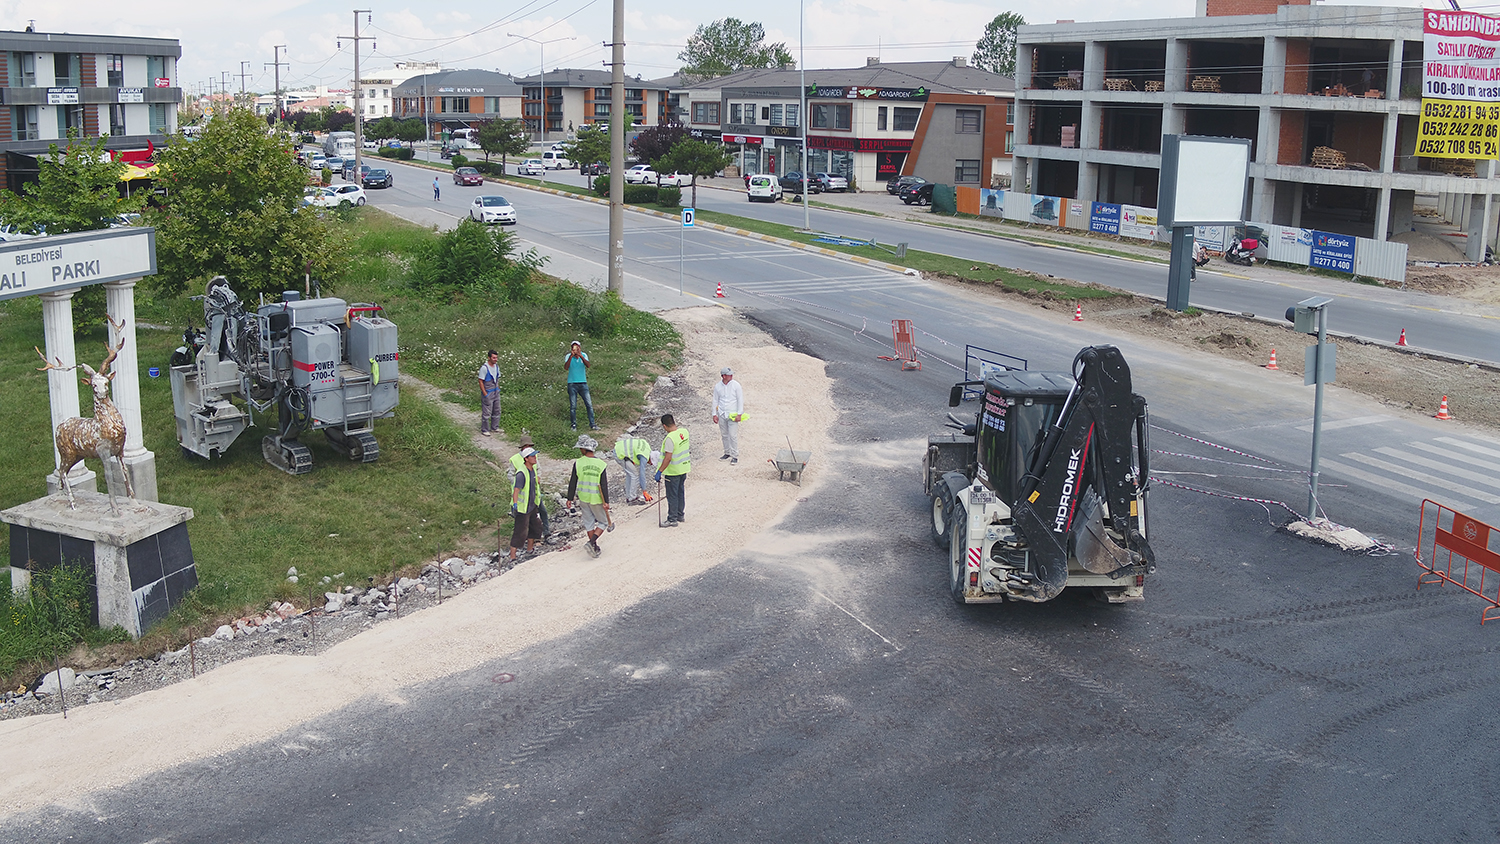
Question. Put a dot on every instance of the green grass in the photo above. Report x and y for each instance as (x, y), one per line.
(1049, 241)
(429, 493)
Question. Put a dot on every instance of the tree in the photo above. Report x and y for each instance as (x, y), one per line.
(381, 129)
(411, 130)
(340, 120)
(234, 208)
(656, 141)
(725, 46)
(505, 137)
(996, 49)
(592, 144)
(700, 158)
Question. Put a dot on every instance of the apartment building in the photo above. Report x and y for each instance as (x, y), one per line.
(120, 86)
(576, 98)
(375, 92)
(1329, 97)
(454, 99)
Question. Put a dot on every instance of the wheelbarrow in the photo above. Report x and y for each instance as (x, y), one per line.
(791, 464)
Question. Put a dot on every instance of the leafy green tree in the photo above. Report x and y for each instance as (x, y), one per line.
(411, 130)
(725, 46)
(700, 158)
(592, 144)
(77, 190)
(504, 138)
(379, 130)
(656, 141)
(234, 207)
(996, 49)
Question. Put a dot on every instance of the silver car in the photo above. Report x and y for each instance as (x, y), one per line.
(492, 209)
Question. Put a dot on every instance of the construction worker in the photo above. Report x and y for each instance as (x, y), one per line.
(676, 462)
(589, 489)
(729, 408)
(517, 465)
(634, 456)
(525, 502)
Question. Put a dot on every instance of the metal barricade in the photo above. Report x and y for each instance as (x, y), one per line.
(1449, 533)
(980, 362)
(906, 345)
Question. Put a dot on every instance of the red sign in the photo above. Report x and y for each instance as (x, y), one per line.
(860, 144)
(888, 165)
(752, 140)
(162, 82)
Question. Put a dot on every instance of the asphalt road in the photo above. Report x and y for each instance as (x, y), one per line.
(820, 686)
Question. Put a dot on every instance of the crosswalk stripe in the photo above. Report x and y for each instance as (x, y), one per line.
(1425, 477)
(1446, 468)
(1464, 458)
(1477, 449)
(1380, 482)
(1346, 423)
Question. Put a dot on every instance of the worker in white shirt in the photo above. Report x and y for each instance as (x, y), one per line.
(729, 409)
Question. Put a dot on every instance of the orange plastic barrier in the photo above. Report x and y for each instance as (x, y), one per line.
(1443, 530)
(906, 346)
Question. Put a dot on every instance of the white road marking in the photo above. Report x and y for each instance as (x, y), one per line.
(1380, 482)
(1347, 423)
(1477, 449)
(1448, 468)
(1465, 459)
(856, 618)
(1425, 477)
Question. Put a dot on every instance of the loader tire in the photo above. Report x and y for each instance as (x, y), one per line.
(957, 552)
(941, 515)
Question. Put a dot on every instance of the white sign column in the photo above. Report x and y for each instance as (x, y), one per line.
(62, 384)
(126, 388)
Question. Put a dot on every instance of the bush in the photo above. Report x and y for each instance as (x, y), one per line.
(398, 153)
(475, 259)
(640, 194)
(669, 196)
(488, 168)
(601, 186)
(460, 160)
(54, 614)
(326, 176)
(598, 314)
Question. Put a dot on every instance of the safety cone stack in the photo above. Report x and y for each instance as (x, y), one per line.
(1443, 410)
(1078, 314)
(1401, 341)
(719, 291)
(1272, 364)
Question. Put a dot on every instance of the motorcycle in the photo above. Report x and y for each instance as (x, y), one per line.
(1242, 251)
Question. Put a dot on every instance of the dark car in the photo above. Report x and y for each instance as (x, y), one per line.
(349, 172)
(598, 168)
(900, 183)
(446, 152)
(379, 178)
(792, 183)
(917, 194)
(467, 176)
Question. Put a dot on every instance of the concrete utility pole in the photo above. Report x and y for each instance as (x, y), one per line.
(243, 75)
(278, 64)
(616, 151)
(224, 89)
(359, 96)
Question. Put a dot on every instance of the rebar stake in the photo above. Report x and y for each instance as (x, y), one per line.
(61, 697)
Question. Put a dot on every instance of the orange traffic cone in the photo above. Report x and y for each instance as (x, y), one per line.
(1401, 341)
(1272, 364)
(1443, 410)
(719, 292)
(1078, 314)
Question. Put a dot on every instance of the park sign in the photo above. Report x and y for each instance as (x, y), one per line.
(1460, 86)
(35, 265)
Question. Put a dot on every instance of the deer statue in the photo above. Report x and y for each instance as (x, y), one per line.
(103, 435)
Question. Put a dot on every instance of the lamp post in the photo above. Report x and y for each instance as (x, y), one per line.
(806, 122)
(542, 49)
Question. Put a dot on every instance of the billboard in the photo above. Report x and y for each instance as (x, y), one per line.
(1332, 251)
(1460, 86)
(1203, 180)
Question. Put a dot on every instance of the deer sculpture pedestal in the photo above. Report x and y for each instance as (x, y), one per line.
(141, 557)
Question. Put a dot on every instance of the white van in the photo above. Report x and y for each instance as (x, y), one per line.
(554, 160)
(763, 188)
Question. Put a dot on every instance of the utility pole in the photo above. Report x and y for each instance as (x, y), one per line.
(616, 150)
(542, 49)
(278, 64)
(224, 89)
(359, 96)
(243, 75)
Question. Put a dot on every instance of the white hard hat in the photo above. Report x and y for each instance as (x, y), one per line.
(726, 371)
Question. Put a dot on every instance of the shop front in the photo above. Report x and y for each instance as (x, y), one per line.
(863, 160)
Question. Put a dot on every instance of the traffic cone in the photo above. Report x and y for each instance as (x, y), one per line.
(1078, 314)
(1401, 341)
(1272, 364)
(719, 292)
(1443, 410)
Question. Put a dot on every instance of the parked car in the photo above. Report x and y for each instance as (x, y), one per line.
(792, 183)
(340, 195)
(335, 164)
(311, 193)
(640, 174)
(918, 194)
(530, 167)
(762, 188)
(680, 180)
(556, 160)
(467, 176)
(369, 144)
(559, 146)
(316, 161)
(349, 171)
(492, 209)
(379, 177)
(831, 182)
(598, 168)
(900, 183)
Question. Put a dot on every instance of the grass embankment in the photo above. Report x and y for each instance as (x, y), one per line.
(429, 493)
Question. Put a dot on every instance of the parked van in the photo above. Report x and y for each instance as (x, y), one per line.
(554, 160)
(763, 188)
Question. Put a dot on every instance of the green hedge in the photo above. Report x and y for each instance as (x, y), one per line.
(669, 196)
(640, 194)
(601, 186)
(398, 153)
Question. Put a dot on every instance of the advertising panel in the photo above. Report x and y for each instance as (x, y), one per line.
(131, 95)
(62, 96)
(1138, 222)
(991, 202)
(1332, 252)
(1460, 86)
(1104, 218)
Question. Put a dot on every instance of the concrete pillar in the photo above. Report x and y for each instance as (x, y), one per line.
(1388, 144)
(1176, 72)
(62, 389)
(1090, 125)
(1024, 58)
(1273, 74)
(1382, 214)
(1480, 208)
(1297, 205)
(1088, 181)
(1393, 70)
(1402, 203)
(125, 388)
(1094, 56)
(1262, 199)
(1019, 175)
(1173, 119)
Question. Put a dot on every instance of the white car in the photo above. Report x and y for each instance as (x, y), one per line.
(554, 160)
(763, 188)
(680, 180)
(492, 209)
(370, 145)
(640, 174)
(335, 164)
(340, 195)
(530, 167)
(317, 162)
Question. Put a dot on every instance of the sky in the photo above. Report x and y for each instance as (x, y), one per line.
(217, 36)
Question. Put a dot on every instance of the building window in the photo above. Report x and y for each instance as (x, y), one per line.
(965, 170)
(749, 114)
(67, 68)
(634, 94)
(385, 109)
(116, 119)
(905, 119)
(734, 112)
(23, 118)
(792, 113)
(69, 117)
(455, 105)
(601, 93)
(156, 68)
(601, 109)
(385, 92)
(706, 113)
(23, 70)
(114, 71)
(776, 112)
(1010, 141)
(1010, 114)
(834, 115)
(880, 118)
(533, 110)
(159, 119)
(966, 121)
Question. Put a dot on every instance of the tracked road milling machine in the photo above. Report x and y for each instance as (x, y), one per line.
(317, 364)
(1046, 488)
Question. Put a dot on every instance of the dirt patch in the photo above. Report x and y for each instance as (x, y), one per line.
(1475, 284)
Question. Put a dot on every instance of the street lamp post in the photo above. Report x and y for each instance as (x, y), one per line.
(542, 49)
(806, 122)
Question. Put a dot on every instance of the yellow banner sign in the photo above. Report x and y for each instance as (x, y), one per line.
(1453, 129)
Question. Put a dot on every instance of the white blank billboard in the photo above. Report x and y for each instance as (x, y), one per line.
(1203, 180)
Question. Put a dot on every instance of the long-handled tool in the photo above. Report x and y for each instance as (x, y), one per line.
(658, 504)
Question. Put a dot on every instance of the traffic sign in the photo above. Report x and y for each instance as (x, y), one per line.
(687, 218)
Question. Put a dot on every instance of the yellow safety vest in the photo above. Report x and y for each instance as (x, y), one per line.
(524, 500)
(632, 448)
(682, 459)
(589, 470)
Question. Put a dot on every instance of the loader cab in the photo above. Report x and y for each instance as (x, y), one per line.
(1015, 413)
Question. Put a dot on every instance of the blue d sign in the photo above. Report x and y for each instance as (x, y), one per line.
(687, 218)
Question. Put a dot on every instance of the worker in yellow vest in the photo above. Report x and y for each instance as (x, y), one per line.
(589, 488)
(525, 501)
(516, 465)
(634, 456)
(676, 462)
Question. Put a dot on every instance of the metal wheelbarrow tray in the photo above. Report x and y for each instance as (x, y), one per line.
(791, 464)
